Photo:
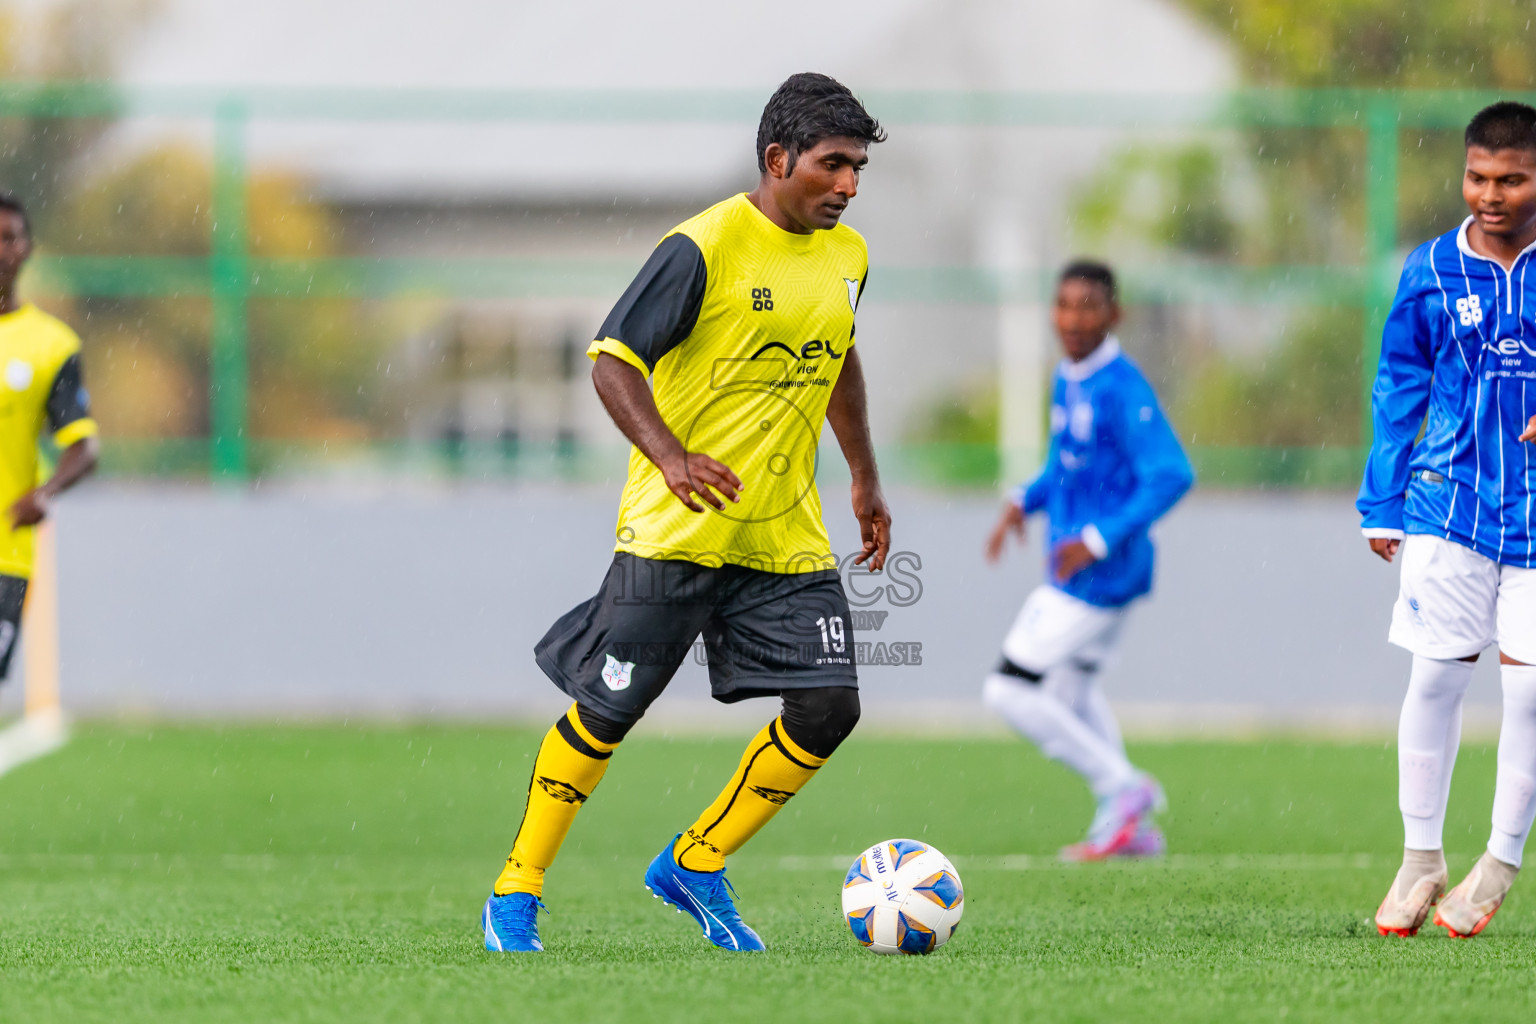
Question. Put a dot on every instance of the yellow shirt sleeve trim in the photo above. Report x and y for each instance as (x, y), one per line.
(615, 347)
(76, 431)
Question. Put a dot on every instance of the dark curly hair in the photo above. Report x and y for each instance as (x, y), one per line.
(808, 108)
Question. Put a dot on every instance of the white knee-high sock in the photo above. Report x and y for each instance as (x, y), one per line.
(1428, 735)
(1079, 689)
(1059, 733)
(1514, 795)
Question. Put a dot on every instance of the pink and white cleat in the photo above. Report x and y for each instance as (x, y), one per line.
(1119, 827)
(1147, 842)
(1471, 905)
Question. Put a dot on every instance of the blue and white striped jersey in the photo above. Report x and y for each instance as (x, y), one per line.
(1113, 469)
(1460, 343)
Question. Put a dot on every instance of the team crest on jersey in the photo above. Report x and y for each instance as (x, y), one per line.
(853, 293)
(616, 673)
(1080, 420)
(1469, 310)
(18, 375)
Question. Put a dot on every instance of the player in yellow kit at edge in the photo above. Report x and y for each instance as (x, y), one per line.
(743, 319)
(40, 386)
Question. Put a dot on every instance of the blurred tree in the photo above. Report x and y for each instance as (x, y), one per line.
(311, 362)
(1290, 398)
(953, 439)
(967, 415)
(1164, 198)
(312, 365)
(1377, 44)
(1471, 44)
(73, 40)
(1277, 196)
(311, 359)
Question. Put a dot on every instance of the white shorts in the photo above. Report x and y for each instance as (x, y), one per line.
(1454, 603)
(1054, 627)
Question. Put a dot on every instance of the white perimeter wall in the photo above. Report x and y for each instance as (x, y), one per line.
(311, 602)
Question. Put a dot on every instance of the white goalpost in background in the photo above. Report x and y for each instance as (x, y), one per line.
(41, 728)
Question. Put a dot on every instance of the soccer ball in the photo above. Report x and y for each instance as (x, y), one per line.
(902, 896)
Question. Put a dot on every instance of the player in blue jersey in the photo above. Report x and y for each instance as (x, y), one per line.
(1113, 469)
(1458, 359)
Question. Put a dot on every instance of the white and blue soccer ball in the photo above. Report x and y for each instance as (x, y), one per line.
(902, 896)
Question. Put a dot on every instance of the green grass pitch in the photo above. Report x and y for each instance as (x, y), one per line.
(330, 873)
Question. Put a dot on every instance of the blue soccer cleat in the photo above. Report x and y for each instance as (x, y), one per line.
(512, 923)
(706, 895)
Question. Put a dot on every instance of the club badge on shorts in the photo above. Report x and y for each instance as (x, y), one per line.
(616, 673)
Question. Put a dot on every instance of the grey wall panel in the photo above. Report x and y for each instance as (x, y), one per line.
(334, 601)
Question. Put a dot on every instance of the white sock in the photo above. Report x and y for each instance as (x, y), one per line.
(1060, 734)
(1079, 689)
(1428, 735)
(1514, 795)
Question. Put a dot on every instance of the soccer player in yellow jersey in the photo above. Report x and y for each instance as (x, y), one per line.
(40, 385)
(742, 318)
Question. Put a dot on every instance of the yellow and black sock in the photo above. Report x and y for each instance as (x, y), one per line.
(771, 771)
(570, 764)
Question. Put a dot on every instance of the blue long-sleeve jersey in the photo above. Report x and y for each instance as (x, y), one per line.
(1460, 343)
(1113, 469)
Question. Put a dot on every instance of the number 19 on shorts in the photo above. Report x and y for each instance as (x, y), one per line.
(833, 639)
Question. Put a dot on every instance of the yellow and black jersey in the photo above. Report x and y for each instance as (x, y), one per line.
(40, 385)
(743, 328)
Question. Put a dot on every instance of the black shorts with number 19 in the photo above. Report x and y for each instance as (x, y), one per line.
(764, 633)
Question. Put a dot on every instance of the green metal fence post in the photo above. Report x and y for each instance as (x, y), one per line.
(229, 373)
(1380, 239)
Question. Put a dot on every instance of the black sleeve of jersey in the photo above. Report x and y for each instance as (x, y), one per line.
(660, 307)
(67, 400)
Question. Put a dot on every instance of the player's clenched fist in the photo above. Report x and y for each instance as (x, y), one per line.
(1385, 547)
(30, 509)
(1530, 431)
(1071, 557)
(692, 474)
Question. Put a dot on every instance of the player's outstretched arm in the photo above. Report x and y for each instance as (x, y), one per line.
(1024, 501)
(1010, 521)
(848, 412)
(629, 401)
(75, 463)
